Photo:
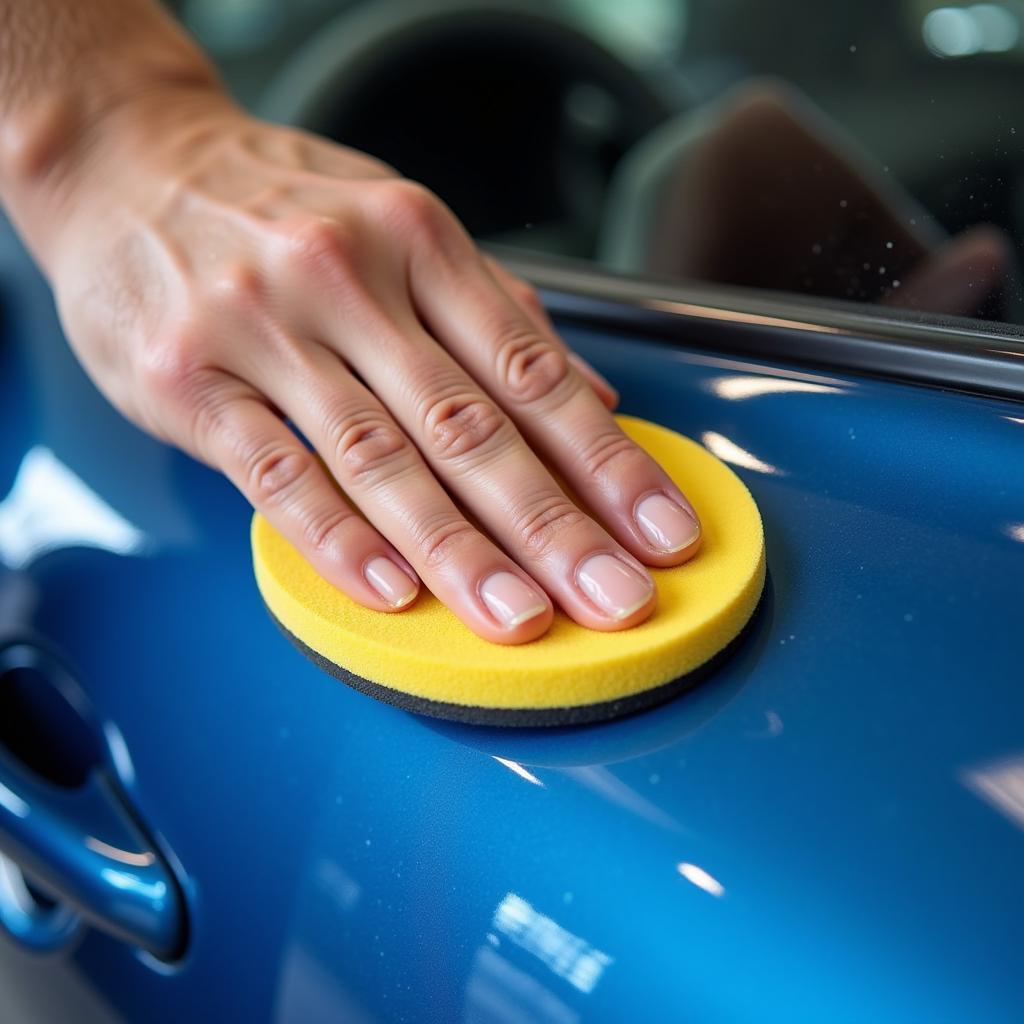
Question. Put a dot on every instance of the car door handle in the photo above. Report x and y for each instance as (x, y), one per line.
(78, 839)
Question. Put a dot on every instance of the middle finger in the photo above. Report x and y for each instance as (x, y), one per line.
(478, 454)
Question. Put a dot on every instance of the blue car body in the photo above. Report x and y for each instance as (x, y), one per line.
(827, 828)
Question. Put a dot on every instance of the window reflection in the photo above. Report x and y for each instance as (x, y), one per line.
(729, 451)
(567, 955)
(738, 388)
(867, 153)
(49, 508)
(702, 879)
(497, 991)
(1002, 786)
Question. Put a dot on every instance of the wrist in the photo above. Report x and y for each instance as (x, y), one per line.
(54, 142)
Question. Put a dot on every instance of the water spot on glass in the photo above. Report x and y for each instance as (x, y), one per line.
(567, 898)
(895, 284)
(654, 779)
(816, 248)
(881, 270)
(843, 203)
(867, 266)
(888, 245)
(909, 617)
(853, 49)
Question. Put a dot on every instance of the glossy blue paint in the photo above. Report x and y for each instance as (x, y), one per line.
(829, 828)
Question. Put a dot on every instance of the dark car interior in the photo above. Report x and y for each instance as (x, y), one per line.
(866, 152)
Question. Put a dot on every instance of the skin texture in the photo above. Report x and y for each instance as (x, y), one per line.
(234, 286)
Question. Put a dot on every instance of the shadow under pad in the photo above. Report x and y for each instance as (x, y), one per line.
(581, 714)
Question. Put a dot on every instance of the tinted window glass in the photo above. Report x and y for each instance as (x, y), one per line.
(867, 152)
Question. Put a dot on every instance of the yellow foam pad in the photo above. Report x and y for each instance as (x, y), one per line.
(425, 659)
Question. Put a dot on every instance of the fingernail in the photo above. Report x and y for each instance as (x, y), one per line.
(389, 581)
(666, 524)
(616, 588)
(510, 600)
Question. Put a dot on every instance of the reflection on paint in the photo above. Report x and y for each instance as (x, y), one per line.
(49, 508)
(1015, 531)
(700, 878)
(1002, 786)
(338, 884)
(14, 894)
(10, 801)
(598, 779)
(155, 891)
(141, 860)
(729, 451)
(498, 991)
(567, 955)
(738, 388)
(518, 769)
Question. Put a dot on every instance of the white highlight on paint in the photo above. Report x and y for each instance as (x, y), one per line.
(738, 388)
(567, 955)
(523, 773)
(729, 451)
(700, 878)
(10, 801)
(1001, 785)
(138, 860)
(49, 508)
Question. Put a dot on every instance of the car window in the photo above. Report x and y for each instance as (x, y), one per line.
(867, 153)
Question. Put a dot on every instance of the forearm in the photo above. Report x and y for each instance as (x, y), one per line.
(68, 68)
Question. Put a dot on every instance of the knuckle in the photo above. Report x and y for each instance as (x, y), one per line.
(463, 425)
(611, 451)
(275, 474)
(441, 538)
(322, 246)
(546, 522)
(174, 366)
(367, 445)
(320, 528)
(273, 471)
(530, 367)
(414, 208)
(239, 286)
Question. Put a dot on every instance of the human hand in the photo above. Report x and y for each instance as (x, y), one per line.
(221, 278)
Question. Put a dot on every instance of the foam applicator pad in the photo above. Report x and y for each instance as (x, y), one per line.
(424, 659)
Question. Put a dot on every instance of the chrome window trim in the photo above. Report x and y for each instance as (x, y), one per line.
(978, 357)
